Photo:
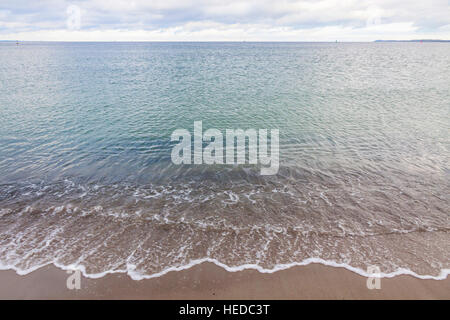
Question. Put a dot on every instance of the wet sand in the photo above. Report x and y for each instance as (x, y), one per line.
(208, 281)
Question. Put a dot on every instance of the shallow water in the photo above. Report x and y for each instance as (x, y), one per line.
(86, 177)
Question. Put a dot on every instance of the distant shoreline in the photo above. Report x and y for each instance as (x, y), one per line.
(418, 40)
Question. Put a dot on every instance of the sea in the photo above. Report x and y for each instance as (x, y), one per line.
(87, 180)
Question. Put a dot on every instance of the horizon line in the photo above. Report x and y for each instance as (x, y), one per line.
(232, 41)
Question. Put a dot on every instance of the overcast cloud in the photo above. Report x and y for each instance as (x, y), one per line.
(197, 20)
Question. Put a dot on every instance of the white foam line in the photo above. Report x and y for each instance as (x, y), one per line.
(130, 271)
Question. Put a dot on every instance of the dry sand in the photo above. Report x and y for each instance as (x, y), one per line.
(208, 281)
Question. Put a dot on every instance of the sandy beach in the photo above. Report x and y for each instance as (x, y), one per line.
(208, 281)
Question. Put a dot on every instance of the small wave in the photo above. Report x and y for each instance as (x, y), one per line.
(263, 225)
(135, 275)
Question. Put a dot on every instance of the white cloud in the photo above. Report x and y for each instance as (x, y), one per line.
(252, 20)
(212, 31)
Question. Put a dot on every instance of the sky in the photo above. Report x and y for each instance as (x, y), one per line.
(224, 20)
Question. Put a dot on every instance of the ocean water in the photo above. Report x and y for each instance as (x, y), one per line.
(86, 178)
